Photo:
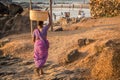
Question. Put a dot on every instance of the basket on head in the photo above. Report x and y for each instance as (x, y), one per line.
(38, 15)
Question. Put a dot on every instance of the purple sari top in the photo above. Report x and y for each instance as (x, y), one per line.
(41, 46)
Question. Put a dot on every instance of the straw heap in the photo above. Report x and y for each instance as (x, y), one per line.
(104, 8)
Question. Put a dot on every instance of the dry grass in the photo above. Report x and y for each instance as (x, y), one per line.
(101, 60)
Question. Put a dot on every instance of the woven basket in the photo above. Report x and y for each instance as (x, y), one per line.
(38, 15)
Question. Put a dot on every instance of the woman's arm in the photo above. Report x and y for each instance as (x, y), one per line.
(50, 20)
(33, 38)
(45, 29)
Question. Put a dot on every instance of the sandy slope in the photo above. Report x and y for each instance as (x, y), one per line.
(18, 49)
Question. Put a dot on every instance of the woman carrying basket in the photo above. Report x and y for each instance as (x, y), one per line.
(41, 46)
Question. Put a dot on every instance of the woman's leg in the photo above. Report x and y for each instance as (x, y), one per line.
(41, 71)
(36, 71)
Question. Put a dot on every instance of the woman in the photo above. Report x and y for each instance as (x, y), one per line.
(41, 46)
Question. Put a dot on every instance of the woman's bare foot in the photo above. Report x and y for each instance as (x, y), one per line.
(41, 71)
(36, 71)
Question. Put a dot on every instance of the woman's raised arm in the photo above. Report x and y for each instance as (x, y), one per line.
(50, 20)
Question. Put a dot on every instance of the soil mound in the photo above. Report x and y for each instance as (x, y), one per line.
(100, 57)
(86, 54)
(106, 66)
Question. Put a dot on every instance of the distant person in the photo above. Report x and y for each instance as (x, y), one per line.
(67, 14)
(54, 16)
(41, 46)
(81, 14)
(73, 5)
(61, 6)
(62, 15)
(69, 6)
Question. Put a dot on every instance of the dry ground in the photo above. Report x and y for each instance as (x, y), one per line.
(17, 49)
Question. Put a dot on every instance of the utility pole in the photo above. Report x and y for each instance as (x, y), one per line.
(84, 1)
(31, 20)
(51, 14)
(30, 4)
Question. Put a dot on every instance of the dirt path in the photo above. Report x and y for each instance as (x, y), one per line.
(17, 62)
(17, 65)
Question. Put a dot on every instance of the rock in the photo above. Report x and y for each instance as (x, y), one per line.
(73, 55)
(52, 78)
(13, 24)
(3, 9)
(77, 71)
(88, 41)
(68, 72)
(64, 75)
(1, 34)
(3, 42)
(1, 53)
(6, 73)
(12, 20)
(58, 29)
(7, 63)
(2, 57)
(8, 60)
(27, 62)
(14, 9)
(23, 78)
(3, 20)
(53, 66)
(82, 79)
(81, 42)
(3, 63)
(68, 57)
(48, 64)
(61, 77)
(74, 78)
(110, 43)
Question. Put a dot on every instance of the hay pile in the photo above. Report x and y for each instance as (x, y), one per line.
(106, 66)
(104, 8)
(101, 58)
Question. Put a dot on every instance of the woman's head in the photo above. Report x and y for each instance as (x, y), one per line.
(40, 24)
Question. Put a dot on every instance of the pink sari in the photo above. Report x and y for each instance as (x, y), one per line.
(41, 46)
